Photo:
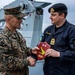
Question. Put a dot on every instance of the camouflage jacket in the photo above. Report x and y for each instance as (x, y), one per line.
(13, 53)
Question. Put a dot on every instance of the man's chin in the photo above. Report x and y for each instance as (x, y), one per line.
(53, 23)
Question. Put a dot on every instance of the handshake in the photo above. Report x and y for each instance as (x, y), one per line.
(39, 51)
(44, 50)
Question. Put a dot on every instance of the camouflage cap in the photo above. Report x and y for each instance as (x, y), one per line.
(16, 11)
(58, 7)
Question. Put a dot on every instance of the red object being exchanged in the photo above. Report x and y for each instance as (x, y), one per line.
(43, 46)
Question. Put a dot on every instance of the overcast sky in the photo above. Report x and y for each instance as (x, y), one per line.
(46, 21)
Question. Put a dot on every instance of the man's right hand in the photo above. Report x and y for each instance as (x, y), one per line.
(32, 61)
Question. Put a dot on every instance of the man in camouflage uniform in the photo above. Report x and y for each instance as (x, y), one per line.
(14, 54)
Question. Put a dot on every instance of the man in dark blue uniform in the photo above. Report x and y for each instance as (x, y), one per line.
(61, 36)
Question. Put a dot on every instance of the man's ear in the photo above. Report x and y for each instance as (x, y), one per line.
(8, 18)
(63, 15)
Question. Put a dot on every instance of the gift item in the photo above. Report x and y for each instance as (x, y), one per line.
(43, 46)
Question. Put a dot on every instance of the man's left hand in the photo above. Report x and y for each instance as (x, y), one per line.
(52, 53)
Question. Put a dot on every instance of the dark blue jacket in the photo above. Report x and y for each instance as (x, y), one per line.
(64, 42)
